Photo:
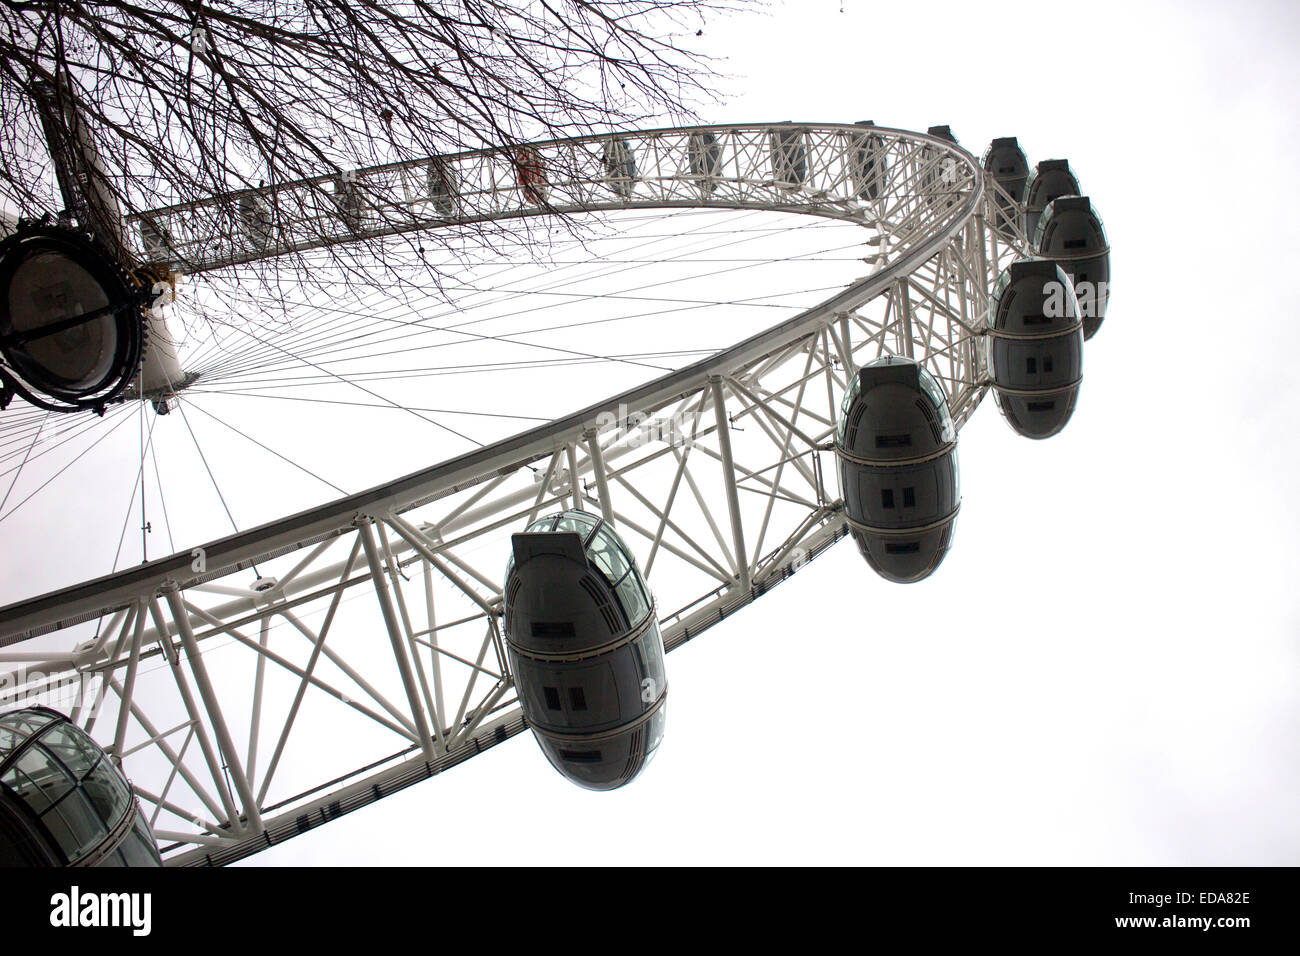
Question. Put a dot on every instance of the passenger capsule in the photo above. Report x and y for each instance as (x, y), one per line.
(704, 156)
(939, 176)
(63, 802)
(789, 156)
(897, 450)
(620, 167)
(347, 197)
(531, 172)
(1050, 180)
(1006, 165)
(1035, 347)
(255, 220)
(440, 180)
(1071, 234)
(868, 167)
(585, 648)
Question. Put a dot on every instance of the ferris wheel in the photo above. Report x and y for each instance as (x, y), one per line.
(497, 561)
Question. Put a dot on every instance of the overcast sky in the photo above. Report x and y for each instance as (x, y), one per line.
(1104, 670)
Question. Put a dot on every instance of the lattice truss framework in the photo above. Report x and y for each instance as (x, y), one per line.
(271, 681)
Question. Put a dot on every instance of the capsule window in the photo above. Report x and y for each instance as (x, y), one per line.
(1041, 406)
(909, 497)
(886, 497)
(632, 596)
(137, 847)
(580, 756)
(903, 547)
(651, 655)
(1031, 365)
(580, 523)
(893, 441)
(73, 749)
(107, 793)
(577, 698)
(1047, 363)
(609, 557)
(40, 779)
(553, 629)
(1075, 243)
(552, 697)
(600, 597)
(75, 825)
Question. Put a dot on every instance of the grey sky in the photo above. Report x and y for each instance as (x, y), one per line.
(1104, 670)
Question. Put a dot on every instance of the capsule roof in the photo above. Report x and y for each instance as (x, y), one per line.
(1006, 162)
(1062, 220)
(586, 543)
(1004, 157)
(597, 542)
(1050, 178)
(1018, 302)
(893, 374)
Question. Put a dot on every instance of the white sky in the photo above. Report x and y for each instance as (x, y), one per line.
(1104, 669)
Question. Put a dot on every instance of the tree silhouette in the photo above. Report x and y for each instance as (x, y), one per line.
(181, 101)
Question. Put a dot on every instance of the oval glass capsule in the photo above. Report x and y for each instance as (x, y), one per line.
(897, 449)
(1071, 234)
(1005, 163)
(1035, 347)
(585, 649)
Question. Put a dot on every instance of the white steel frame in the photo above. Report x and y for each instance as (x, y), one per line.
(719, 475)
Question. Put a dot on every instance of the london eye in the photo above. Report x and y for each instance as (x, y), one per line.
(257, 684)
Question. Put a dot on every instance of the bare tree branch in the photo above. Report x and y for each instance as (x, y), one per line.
(184, 100)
